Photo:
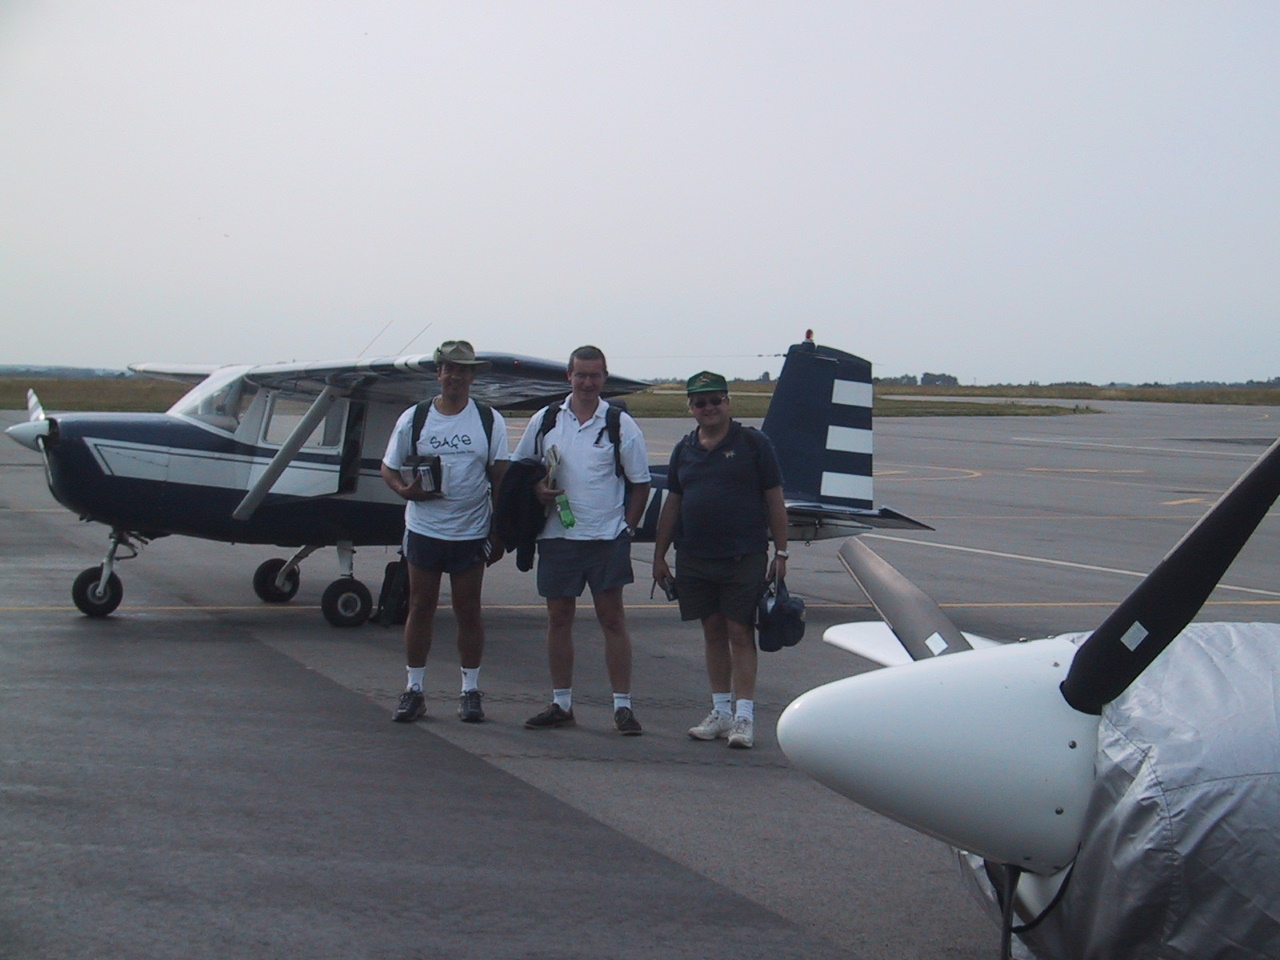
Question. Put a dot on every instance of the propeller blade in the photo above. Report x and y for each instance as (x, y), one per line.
(35, 410)
(910, 613)
(1173, 593)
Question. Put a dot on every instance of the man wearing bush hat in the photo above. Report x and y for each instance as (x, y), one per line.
(447, 478)
(724, 503)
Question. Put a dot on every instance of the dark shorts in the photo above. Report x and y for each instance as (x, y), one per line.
(565, 567)
(728, 585)
(443, 556)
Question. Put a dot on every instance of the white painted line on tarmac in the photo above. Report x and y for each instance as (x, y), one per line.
(1128, 447)
(1094, 568)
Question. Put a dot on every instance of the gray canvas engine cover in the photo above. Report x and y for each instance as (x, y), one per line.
(1180, 857)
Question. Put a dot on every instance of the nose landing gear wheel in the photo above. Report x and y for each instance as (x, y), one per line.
(346, 602)
(91, 601)
(264, 582)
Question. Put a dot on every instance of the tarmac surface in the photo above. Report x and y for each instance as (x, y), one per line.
(203, 775)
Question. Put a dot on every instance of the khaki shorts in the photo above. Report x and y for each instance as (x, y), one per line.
(727, 585)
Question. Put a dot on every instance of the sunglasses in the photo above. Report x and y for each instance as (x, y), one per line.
(703, 401)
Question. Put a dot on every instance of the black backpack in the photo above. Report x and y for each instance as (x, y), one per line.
(393, 598)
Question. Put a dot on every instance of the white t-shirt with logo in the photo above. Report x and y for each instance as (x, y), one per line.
(464, 512)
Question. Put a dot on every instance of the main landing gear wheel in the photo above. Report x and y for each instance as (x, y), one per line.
(92, 601)
(346, 602)
(264, 582)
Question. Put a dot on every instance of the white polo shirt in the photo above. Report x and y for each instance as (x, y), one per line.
(587, 471)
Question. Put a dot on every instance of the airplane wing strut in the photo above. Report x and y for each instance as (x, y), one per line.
(318, 410)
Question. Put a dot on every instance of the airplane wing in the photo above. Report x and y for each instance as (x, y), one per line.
(510, 381)
(191, 373)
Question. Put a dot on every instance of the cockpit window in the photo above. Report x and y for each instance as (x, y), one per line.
(287, 412)
(219, 401)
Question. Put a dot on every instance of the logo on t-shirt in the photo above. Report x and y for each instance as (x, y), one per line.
(456, 442)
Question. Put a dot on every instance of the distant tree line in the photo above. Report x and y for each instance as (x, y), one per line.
(947, 380)
(924, 380)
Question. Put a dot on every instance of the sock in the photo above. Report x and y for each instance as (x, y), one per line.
(746, 710)
(621, 700)
(722, 703)
(563, 698)
(470, 678)
(415, 677)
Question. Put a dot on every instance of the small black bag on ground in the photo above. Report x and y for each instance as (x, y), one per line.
(779, 617)
(393, 598)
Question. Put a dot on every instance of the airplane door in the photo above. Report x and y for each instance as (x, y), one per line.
(316, 470)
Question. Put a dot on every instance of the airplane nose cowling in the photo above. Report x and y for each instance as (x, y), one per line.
(978, 749)
(29, 433)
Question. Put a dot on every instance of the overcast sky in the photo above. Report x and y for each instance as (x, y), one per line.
(1002, 191)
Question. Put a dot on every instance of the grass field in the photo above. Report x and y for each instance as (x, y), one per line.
(750, 398)
(134, 394)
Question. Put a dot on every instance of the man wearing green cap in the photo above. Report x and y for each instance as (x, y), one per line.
(724, 503)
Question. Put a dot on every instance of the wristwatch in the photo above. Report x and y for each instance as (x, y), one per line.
(781, 553)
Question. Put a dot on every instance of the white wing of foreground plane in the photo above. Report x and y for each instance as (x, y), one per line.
(874, 641)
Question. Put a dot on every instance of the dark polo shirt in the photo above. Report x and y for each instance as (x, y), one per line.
(722, 507)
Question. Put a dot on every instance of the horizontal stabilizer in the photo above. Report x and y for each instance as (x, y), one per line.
(809, 520)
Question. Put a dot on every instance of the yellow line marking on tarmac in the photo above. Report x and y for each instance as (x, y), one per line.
(907, 473)
(1045, 560)
(1181, 503)
(1078, 470)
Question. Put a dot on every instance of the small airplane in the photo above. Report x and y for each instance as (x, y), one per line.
(1113, 794)
(288, 454)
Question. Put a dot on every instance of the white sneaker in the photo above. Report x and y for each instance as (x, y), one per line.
(741, 736)
(716, 726)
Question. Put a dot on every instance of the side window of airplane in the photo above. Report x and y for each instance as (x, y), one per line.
(287, 412)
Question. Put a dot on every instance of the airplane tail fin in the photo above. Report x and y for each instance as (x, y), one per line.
(820, 423)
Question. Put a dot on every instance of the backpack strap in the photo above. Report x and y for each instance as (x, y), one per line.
(549, 415)
(486, 421)
(419, 421)
(613, 426)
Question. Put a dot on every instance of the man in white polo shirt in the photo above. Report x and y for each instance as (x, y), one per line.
(596, 497)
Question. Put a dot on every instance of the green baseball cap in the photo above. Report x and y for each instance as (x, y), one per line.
(706, 382)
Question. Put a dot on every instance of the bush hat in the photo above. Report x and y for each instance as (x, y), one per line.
(459, 352)
(706, 382)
